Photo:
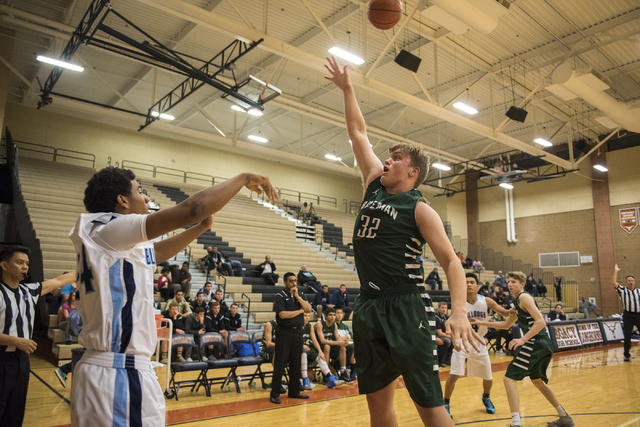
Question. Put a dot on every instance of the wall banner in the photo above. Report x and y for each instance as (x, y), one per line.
(590, 333)
(629, 219)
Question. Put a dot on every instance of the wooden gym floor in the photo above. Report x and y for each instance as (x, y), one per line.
(595, 385)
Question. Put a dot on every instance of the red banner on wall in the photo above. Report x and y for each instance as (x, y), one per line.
(629, 219)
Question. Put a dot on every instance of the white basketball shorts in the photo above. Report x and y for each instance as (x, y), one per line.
(113, 389)
(478, 364)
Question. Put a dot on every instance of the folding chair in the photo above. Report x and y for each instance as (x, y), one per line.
(185, 341)
(257, 338)
(214, 338)
(235, 338)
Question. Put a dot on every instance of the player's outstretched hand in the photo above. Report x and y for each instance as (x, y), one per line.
(462, 334)
(339, 76)
(259, 183)
(617, 268)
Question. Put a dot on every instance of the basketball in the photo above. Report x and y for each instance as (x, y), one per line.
(384, 14)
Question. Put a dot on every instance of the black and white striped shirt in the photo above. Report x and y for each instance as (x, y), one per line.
(630, 299)
(18, 310)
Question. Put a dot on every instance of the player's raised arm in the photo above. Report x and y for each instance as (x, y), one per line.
(205, 203)
(615, 276)
(369, 164)
(497, 307)
(432, 230)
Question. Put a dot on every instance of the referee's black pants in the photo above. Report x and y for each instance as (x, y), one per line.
(629, 319)
(14, 382)
(288, 349)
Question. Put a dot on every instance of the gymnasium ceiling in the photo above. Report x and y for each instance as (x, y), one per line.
(490, 71)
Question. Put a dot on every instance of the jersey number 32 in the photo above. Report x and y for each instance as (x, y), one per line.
(369, 227)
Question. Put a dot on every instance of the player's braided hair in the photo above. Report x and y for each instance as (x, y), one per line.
(101, 194)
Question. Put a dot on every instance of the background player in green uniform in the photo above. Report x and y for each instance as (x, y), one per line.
(332, 346)
(533, 351)
(392, 326)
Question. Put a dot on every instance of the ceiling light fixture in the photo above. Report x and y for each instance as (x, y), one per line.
(163, 116)
(332, 157)
(542, 142)
(466, 108)
(59, 63)
(346, 55)
(507, 186)
(255, 112)
(441, 166)
(600, 168)
(257, 138)
(238, 108)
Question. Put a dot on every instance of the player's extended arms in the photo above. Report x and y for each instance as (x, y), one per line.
(205, 203)
(57, 282)
(505, 324)
(497, 307)
(615, 276)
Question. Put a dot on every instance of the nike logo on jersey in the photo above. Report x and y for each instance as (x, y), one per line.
(421, 326)
(374, 286)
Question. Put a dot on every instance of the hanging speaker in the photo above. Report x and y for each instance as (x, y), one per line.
(517, 114)
(408, 60)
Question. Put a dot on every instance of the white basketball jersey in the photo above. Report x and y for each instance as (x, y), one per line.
(479, 310)
(115, 290)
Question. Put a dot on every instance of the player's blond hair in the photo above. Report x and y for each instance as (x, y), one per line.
(419, 158)
(518, 275)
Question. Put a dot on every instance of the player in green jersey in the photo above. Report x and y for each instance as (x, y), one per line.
(393, 328)
(533, 351)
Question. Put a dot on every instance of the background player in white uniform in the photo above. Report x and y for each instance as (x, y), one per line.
(113, 383)
(478, 363)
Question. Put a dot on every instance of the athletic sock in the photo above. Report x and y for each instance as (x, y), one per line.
(515, 419)
(561, 411)
(343, 368)
(446, 401)
(324, 368)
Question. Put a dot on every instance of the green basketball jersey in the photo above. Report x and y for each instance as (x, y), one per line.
(386, 240)
(306, 335)
(343, 327)
(525, 321)
(327, 331)
(263, 343)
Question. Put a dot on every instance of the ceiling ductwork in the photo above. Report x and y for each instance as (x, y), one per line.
(459, 15)
(586, 84)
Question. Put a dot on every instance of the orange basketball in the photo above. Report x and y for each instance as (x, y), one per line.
(385, 14)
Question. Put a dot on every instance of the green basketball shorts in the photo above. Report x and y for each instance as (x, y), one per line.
(531, 360)
(394, 334)
(312, 354)
(268, 353)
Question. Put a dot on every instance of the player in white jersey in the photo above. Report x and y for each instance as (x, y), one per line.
(114, 384)
(478, 363)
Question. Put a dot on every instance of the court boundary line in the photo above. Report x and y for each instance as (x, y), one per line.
(555, 415)
(50, 387)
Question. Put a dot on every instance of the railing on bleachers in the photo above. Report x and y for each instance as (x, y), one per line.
(46, 152)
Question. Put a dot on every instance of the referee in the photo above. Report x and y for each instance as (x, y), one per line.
(17, 312)
(630, 297)
(289, 308)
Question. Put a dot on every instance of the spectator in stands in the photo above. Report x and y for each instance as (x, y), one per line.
(468, 262)
(215, 321)
(332, 345)
(341, 300)
(233, 319)
(184, 308)
(322, 301)
(54, 301)
(207, 290)
(63, 317)
(194, 325)
(219, 298)
(184, 281)
(529, 285)
(499, 296)
(208, 261)
(542, 289)
(199, 302)
(224, 264)
(587, 307)
(306, 278)
(434, 278)
(266, 270)
(164, 283)
(557, 314)
(345, 333)
(501, 281)
(66, 290)
(485, 290)
(445, 350)
(177, 321)
(558, 286)
(477, 266)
